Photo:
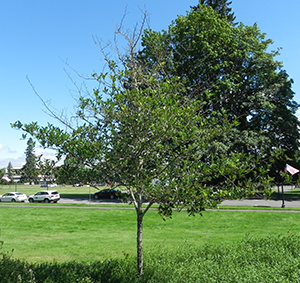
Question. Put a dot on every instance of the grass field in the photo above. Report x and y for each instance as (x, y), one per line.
(39, 234)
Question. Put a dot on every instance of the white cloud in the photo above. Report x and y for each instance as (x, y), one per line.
(15, 162)
(19, 161)
(2, 147)
(47, 154)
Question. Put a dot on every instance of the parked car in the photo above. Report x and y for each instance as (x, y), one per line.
(48, 185)
(45, 196)
(52, 185)
(107, 194)
(13, 197)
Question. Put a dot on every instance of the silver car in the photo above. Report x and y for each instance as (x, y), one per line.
(13, 197)
(45, 196)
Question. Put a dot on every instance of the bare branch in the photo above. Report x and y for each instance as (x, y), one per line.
(49, 111)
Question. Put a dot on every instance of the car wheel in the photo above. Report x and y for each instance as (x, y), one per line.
(112, 197)
(13, 200)
(31, 200)
(55, 201)
(46, 200)
(96, 196)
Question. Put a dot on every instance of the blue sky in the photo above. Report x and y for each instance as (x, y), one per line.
(38, 37)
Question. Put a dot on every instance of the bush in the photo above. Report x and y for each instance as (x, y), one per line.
(259, 259)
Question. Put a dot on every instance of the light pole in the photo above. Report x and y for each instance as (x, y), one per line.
(282, 192)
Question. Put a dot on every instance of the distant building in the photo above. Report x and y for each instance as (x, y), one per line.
(17, 175)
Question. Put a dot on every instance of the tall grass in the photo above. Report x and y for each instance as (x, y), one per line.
(252, 259)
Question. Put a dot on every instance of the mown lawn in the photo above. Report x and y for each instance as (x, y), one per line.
(39, 234)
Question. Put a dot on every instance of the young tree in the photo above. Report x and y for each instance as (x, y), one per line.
(29, 171)
(141, 131)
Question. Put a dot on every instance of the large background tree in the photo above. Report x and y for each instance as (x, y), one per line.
(233, 63)
(29, 171)
(159, 134)
(220, 6)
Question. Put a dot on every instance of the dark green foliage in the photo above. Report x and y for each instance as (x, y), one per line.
(262, 259)
(234, 65)
(10, 172)
(29, 172)
(2, 172)
(220, 6)
(47, 169)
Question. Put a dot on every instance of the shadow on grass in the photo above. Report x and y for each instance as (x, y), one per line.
(288, 195)
(291, 195)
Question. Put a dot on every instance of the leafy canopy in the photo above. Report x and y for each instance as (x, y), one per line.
(234, 64)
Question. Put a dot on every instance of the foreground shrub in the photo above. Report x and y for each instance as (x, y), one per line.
(259, 259)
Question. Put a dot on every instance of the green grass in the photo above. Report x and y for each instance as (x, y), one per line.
(87, 243)
(39, 234)
(253, 259)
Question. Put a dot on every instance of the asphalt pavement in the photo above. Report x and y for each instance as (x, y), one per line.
(263, 203)
(278, 203)
(243, 202)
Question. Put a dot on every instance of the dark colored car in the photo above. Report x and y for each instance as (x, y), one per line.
(107, 194)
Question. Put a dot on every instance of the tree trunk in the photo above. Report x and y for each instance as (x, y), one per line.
(140, 262)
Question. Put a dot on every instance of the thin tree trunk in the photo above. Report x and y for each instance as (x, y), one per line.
(140, 261)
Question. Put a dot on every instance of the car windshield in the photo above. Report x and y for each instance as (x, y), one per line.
(19, 194)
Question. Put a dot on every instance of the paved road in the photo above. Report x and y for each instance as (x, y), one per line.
(244, 202)
(267, 203)
(263, 203)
